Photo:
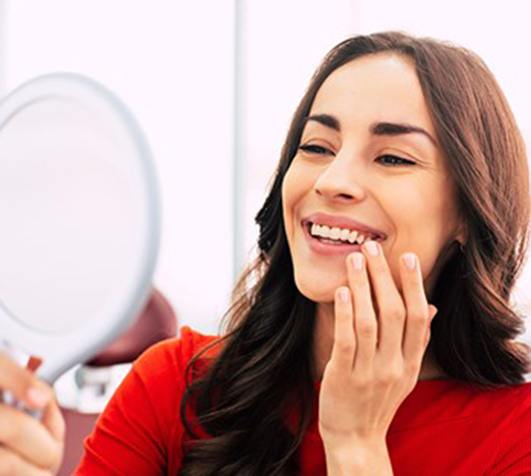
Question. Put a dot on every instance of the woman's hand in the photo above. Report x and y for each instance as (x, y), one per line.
(376, 359)
(28, 446)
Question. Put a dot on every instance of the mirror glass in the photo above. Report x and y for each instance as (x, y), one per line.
(80, 214)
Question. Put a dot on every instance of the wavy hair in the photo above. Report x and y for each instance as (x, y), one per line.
(241, 397)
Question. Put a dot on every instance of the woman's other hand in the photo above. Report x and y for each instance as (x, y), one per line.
(28, 446)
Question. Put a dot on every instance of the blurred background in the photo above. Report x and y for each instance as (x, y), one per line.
(214, 84)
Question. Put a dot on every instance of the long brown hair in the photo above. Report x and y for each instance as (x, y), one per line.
(266, 361)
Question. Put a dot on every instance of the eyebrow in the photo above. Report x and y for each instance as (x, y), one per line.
(377, 128)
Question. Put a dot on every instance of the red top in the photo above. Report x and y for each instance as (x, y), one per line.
(443, 427)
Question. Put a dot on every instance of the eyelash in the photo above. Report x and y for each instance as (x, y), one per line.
(312, 150)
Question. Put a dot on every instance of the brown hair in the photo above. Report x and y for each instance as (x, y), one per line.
(267, 356)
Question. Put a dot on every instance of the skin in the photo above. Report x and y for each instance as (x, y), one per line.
(414, 205)
(28, 446)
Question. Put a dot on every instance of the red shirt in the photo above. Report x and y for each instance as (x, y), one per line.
(443, 427)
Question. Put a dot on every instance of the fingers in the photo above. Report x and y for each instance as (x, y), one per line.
(28, 444)
(402, 325)
(365, 324)
(390, 305)
(23, 384)
(12, 464)
(52, 417)
(344, 347)
(28, 438)
(417, 321)
(53, 420)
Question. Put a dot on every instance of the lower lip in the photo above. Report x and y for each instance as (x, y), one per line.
(328, 249)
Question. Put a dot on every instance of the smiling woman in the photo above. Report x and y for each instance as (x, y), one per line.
(401, 194)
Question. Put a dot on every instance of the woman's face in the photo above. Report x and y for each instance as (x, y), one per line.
(344, 169)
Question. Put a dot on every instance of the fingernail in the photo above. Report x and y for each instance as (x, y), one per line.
(372, 248)
(357, 261)
(410, 260)
(37, 396)
(343, 294)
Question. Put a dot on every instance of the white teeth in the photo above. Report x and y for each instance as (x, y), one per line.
(337, 233)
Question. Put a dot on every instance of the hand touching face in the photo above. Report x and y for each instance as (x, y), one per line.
(376, 355)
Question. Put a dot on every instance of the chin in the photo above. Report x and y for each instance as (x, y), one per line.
(319, 285)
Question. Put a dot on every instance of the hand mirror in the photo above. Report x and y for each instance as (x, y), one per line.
(79, 208)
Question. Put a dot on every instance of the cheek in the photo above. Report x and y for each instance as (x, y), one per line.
(425, 240)
(287, 199)
(315, 282)
(294, 187)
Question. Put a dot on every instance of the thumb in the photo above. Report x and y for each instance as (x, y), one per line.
(52, 417)
(53, 420)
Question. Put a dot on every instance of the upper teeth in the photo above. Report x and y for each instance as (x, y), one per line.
(335, 233)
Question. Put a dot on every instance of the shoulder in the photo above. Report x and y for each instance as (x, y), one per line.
(515, 403)
(140, 431)
(519, 400)
(171, 355)
(505, 405)
(514, 449)
(516, 400)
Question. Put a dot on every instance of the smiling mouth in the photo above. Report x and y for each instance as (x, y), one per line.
(353, 241)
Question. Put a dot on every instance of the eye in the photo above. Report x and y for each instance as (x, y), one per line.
(393, 160)
(396, 159)
(315, 149)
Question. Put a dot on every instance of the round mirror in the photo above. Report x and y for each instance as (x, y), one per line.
(79, 206)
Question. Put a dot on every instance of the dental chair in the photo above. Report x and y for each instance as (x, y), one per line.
(93, 383)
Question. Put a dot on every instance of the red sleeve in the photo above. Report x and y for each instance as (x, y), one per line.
(515, 459)
(139, 431)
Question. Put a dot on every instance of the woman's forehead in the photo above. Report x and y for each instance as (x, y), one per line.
(381, 87)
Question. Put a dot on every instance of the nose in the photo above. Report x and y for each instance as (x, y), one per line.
(341, 180)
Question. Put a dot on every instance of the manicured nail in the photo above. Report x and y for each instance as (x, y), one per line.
(343, 294)
(372, 248)
(37, 396)
(410, 260)
(357, 261)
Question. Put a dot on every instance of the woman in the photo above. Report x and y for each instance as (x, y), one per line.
(328, 365)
